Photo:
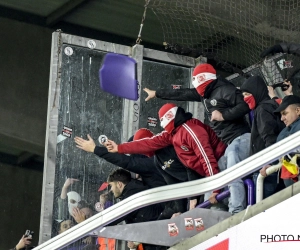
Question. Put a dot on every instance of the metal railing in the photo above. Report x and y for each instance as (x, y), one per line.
(171, 192)
(260, 181)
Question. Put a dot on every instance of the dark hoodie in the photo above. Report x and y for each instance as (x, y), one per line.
(144, 214)
(143, 166)
(266, 125)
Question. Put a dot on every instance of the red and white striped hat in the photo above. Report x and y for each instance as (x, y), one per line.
(203, 74)
(167, 114)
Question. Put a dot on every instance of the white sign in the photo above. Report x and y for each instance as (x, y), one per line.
(276, 228)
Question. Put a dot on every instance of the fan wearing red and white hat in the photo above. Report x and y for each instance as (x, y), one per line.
(203, 75)
(196, 144)
(138, 164)
(173, 171)
(167, 115)
(224, 103)
(225, 107)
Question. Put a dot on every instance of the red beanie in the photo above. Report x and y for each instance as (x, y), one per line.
(167, 115)
(203, 75)
(142, 133)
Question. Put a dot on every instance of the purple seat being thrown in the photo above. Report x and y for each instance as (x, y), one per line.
(118, 76)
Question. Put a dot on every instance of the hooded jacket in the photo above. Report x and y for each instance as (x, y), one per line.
(149, 213)
(219, 95)
(141, 165)
(171, 168)
(144, 214)
(174, 171)
(265, 125)
(196, 144)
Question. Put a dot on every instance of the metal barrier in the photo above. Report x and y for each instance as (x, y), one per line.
(219, 198)
(250, 191)
(250, 195)
(260, 181)
(172, 192)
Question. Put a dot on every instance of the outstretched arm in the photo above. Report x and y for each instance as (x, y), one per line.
(132, 163)
(185, 94)
(290, 48)
(143, 146)
(66, 186)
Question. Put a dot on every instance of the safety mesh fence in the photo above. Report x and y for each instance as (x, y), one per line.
(233, 32)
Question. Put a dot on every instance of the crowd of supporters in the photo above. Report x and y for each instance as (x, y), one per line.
(242, 122)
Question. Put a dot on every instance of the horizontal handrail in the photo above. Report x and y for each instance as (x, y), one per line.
(171, 192)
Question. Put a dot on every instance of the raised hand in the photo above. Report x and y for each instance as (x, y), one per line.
(24, 241)
(289, 91)
(64, 190)
(151, 94)
(271, 92)
(70, 181)
(78, 215)
(103, 198)
(86, 145)
(271, 50)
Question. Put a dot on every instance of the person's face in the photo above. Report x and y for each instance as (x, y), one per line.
(116, 188)
(87, 212)
(290, 114)
(245, 94)
(65, 225)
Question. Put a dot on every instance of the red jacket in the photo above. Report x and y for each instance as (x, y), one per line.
(196, 144)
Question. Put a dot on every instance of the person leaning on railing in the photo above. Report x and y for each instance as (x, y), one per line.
(123, 186)
(266, 125)
(290, 115)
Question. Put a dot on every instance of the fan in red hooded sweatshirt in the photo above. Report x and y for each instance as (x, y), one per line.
(196, 144)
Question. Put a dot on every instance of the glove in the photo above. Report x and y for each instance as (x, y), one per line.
(272, 50)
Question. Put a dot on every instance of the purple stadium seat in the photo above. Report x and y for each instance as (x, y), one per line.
(118, 76)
